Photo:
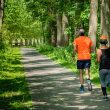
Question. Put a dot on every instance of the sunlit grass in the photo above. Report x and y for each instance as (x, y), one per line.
(14, 93)
(21, 105)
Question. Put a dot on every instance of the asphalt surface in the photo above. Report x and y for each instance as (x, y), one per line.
(53, 87)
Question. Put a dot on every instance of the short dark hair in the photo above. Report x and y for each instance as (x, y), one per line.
(103, 41)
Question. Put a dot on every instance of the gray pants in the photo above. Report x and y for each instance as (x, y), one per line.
(104, 77)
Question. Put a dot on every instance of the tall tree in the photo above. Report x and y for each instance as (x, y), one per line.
(105, 15)
(93, 21)
(64, 27)
(62, 23)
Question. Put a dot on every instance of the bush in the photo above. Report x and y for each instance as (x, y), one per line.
(44, 48)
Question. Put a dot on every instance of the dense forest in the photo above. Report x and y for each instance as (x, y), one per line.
(50, 26)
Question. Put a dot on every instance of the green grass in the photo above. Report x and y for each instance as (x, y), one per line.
(14, 93)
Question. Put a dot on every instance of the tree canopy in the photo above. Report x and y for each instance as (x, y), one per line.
(54, 21)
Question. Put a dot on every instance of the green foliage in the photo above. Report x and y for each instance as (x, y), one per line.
(95, 70)
(85, 17)
(2, 45)
(18, 21)
(64, 53)
(44, 48)
(14, 93)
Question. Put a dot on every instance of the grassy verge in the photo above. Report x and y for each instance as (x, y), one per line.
(14, 93)
(63, 55)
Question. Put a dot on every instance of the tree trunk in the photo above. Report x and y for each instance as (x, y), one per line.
(1, 21)
(43, 32)
(108, 16)
(1, 13)
(65, 37)
(62, 37)
(103, 19)
(105, 15)
(54, 34)
(59, 30)
(93, 21)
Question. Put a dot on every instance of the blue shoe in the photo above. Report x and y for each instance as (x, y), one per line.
(81, 89)
(89, 84)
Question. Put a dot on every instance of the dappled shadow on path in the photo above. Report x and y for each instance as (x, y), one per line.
(61, 92)
(53, 87)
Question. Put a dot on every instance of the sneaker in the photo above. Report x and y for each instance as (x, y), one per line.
(89, 85)
(82, 89)
(105, 98)
(108, 84)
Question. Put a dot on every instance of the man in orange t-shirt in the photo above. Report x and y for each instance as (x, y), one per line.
(82, 46)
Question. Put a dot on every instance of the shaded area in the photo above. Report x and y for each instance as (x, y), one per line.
(53, 87)
(13, 88)
(13, 91)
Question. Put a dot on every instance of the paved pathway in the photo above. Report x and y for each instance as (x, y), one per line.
(54, 87)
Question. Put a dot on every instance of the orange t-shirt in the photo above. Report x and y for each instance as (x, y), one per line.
(83, 46)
